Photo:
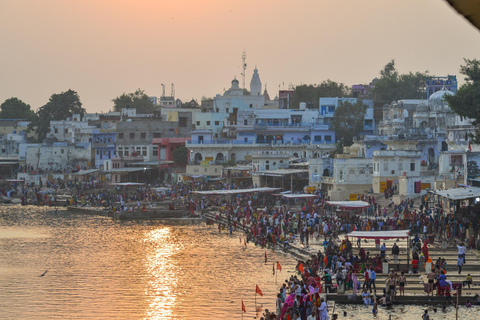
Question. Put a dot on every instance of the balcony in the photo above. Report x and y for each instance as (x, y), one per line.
(266, 126)
(262, 142)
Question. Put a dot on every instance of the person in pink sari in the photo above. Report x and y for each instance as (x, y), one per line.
(355, 282)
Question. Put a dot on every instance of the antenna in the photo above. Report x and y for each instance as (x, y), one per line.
(172, 93)
(163, 90)
(244, 67)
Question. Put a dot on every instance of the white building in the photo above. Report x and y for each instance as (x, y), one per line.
(73, 129)
(58, 156)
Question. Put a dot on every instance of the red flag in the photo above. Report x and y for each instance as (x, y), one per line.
(243, 307)
(279, 267)
(257, 290)
(300, 268)
(469, 146)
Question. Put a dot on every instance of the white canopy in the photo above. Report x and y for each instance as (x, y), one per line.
(349, 204)
(391, 234)
(235, 191)
(127, 184)
(293, 196)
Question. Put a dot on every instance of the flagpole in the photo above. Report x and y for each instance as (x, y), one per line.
(255, 302)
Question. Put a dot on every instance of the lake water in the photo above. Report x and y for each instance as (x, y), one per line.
(173, 269)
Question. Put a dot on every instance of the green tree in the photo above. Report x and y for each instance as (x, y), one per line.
(311, 93)
(138, 100)
(59, 107)
(180, 156)
(466, 102)
(393, 86)
(15, 108)
(348, 121)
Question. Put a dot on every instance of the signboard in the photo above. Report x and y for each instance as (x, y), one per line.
(353, 196)
(205, 163)
(209, 159)
(383, 186)
(425, 186)
(310, 189)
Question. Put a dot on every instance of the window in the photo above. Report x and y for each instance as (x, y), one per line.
(157, 134)
(66, 130)
(143, 135)
(218, 110)
(412, 166)
(245, 122)
(217, 123)
(56, 130)
(62, 151)
(400, 166)
(144, 151)
(155, 150)
(385, 166)
(198, 123)
(317, 138)
(120, 135)
(331, 109)
(246, 139)
(227, 110)
(182, 122)
(120, 153)
(132, 135)
(208, 123)
(328, 138)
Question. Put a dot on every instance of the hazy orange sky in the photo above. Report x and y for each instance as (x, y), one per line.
(103, 48)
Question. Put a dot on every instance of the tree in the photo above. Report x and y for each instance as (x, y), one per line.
(180, 156)
(15, 108)
(348, 121)
(466, 102)
(312, 93)
(138, 100)
(393, 86)
(59, 107)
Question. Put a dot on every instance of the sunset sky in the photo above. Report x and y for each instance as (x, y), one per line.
(103, 48)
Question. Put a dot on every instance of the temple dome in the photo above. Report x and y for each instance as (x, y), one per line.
(436, 99)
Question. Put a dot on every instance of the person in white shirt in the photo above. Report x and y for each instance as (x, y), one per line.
(312, 316)
(462, 250)
(323, 310)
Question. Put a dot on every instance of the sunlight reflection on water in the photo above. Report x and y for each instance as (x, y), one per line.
(163, 275)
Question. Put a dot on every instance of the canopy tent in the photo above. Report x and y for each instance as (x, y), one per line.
(391, 234)
(127, 184)
(85, 172)
(295, 196)
(195, 176)
(235, 191)
(349, 204)
(458, 193)
(161, 189)
(216, 179)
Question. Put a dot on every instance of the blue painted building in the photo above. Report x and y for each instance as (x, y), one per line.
(104, 145)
